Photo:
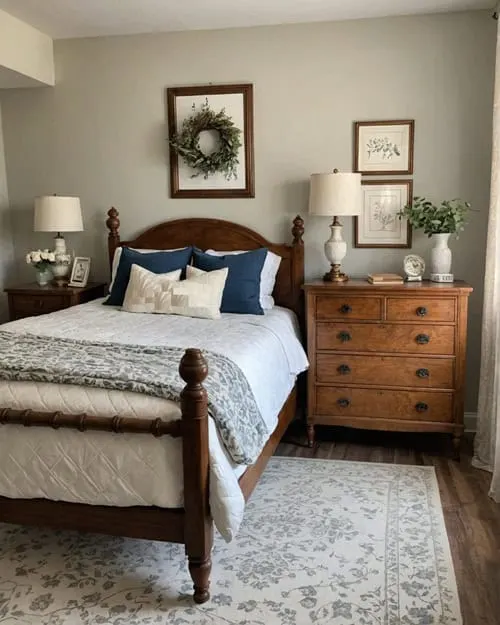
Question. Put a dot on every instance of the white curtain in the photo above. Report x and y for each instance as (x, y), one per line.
(487, 442)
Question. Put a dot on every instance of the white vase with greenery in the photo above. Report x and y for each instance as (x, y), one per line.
(441, 253)
(438, 223)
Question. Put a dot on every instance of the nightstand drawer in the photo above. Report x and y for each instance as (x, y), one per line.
(29, 300)
(406, 405)
(358, 308)
(27, 305)
(420, 309)
(385, 370)
(385, 337)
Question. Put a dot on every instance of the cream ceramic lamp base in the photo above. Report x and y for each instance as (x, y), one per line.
(335, 251)
(56, 213)
(336, 194)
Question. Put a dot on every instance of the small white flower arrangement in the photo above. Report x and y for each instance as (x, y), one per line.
(41, 259)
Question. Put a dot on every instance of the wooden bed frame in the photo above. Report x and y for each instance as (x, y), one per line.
(191, 525)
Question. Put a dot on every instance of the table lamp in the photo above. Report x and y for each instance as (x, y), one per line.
(333, 195)
(57, 213)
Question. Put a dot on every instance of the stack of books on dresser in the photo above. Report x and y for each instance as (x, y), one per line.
(385, 278)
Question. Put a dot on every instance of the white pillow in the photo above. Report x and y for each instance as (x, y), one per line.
(200, 295)
(118, 253)
(144, 286)
(267, 275)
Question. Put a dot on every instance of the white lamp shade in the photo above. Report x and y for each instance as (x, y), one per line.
(56, 213)
(335, 194)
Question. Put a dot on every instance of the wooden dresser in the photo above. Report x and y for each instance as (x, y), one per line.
(387, 357)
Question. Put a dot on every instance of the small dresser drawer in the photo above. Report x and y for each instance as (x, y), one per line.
(406, 405)
(358, 308)
(385, 370)
(412, 339)
(420, 309)
(27, 306)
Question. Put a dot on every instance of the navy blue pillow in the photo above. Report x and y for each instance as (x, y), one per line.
(157, 262)
(242, 288)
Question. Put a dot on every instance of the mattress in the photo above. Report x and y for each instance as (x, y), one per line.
(130, 470)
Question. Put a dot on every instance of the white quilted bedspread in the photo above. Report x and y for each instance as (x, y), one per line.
(127, 470)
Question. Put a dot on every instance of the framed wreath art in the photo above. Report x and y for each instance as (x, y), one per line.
(211, 141)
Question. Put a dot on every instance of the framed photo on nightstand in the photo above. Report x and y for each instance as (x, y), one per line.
(80, 271)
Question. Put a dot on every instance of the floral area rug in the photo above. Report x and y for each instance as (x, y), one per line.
(323, 542)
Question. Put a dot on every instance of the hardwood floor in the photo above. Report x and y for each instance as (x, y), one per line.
(472, 518)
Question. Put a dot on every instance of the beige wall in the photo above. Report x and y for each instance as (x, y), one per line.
(25, 51)
(6, 244)
(100, 133)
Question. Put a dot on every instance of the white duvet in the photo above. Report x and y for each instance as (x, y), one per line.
(138, 470)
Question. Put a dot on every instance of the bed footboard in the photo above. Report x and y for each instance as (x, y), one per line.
(192, 525)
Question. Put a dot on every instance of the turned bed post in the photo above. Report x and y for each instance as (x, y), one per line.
(198, 525)
(298, 268)
(113, 225)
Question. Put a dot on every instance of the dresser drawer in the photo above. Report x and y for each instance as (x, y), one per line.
(385, 370)
(349, 307)
(406, 405)
(385, 337)
(420, 309)
(28, 306)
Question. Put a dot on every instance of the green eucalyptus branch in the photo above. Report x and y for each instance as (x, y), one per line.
(187, 143)
(449, 217)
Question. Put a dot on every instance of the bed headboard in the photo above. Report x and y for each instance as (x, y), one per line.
(223, 235)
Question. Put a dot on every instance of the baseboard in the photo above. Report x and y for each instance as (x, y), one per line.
(470, 421)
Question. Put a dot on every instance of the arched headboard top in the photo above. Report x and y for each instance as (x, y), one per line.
(223, 235)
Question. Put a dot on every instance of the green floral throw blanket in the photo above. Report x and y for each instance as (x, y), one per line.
(141, 369)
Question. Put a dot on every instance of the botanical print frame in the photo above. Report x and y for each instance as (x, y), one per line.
(384, 147)
(237, 101)
(378, 224)
(80, 271)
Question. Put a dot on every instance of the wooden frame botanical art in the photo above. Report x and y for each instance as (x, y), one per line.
(384, 147)
(378, 224)
(211, 128)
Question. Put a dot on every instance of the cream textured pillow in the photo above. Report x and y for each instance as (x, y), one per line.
(143, 288)
(200, 295)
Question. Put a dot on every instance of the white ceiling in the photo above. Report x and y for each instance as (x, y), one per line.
(88, 18)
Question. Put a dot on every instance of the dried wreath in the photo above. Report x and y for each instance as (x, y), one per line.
(187, 143)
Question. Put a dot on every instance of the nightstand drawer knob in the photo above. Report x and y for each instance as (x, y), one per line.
(344, 336)
(346, 309)
(343, 402)
(421, 311)
(423, 373)
(421, 407)
(423, 339)
(344, 369)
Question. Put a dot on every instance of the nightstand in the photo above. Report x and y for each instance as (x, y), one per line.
(387, 357)
(29, 300)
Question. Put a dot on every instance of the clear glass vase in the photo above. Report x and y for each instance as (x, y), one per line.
(43, 276)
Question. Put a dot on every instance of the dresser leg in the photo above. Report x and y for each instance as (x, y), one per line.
(310, 435)
(457, 444)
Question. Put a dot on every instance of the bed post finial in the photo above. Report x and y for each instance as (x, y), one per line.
(298, 230)
(113, 225)
(198, 528)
